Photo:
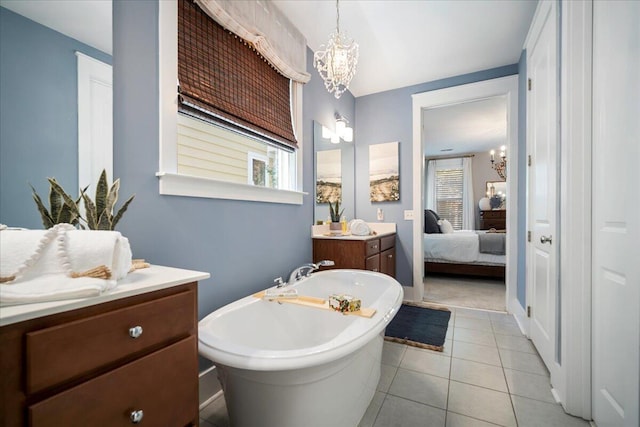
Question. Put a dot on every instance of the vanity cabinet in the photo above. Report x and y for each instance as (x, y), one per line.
(493, 219)
(373, 253)
(105, 364)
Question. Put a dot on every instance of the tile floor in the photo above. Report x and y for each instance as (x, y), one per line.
(489, 374)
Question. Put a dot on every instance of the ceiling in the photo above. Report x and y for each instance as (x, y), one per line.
(88, 21)
(402, 43)
(465, 128)
(406, 42)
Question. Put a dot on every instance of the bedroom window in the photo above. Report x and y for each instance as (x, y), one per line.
(449, 193)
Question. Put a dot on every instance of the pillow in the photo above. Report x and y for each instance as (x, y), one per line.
(445, 226)
(431, 222)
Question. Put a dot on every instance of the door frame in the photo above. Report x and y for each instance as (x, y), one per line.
(572, 382)
(503, 86)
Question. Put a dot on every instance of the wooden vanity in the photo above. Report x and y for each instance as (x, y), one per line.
(375, 253)
(126, 357)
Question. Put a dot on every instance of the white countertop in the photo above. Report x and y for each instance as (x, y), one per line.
(379, 228)
(137, 282)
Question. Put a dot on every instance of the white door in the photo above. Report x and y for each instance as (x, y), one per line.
(542, 147)
(95, 121)
(616, 213)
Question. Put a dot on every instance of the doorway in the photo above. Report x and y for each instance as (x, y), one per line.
(506, 87)
(465, 185)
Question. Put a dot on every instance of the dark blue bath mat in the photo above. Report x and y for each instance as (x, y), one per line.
(419, 326)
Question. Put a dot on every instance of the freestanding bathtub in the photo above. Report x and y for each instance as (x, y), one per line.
(283, 365)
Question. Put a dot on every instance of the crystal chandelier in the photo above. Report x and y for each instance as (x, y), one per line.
(336, 63)
(500, 166)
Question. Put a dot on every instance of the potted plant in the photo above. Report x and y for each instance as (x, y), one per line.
(334, 210)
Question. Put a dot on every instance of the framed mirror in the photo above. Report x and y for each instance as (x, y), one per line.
(333, 173)
(498, 191)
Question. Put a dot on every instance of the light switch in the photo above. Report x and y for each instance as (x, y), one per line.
(408, 215)
(380, 215)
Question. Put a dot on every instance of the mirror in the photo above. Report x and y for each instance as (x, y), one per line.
(497, 194)
(39, 127)
(334, 176)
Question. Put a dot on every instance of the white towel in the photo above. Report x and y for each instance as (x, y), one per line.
(43, 260)
(359, 228)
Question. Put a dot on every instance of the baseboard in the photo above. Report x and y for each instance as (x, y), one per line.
(209, 387)
(520, 315)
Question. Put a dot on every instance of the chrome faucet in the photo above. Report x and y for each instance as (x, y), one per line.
(305, 271)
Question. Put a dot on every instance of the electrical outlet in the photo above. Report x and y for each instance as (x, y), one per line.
(408, 215)
(380, 215)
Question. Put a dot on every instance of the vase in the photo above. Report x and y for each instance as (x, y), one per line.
(335, 228)
(484, 204)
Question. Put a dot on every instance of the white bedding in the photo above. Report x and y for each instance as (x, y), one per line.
(458, 247)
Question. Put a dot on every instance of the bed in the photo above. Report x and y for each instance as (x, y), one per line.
(465, 252)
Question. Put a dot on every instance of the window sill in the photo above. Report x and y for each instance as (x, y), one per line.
(185, 185)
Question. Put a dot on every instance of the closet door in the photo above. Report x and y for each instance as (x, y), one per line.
(616, 213)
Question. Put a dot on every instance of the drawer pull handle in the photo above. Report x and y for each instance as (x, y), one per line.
(136, 416)
(375, 270)
(390, 256)
(135, 332)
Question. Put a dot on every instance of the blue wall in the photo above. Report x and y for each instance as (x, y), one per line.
(38, 114)
(386, 117)
(244, 245)
(522, 178)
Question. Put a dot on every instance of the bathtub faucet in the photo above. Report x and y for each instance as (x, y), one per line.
(304, 271)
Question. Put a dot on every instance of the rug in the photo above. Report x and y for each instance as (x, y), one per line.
(419, 326)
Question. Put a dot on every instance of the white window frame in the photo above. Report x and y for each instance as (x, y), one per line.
(176, 184)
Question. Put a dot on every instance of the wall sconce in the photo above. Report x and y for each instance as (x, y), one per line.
(342, 132)
(501, 165)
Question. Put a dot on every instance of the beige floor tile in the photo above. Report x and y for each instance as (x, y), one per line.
(398, 412)
(529, 385)
(457, 420)
(473, 323)
(476, 352)
(371, 413)
(387, 373)
(481, 403)
(522, 362)
(533, 413)
(426, 361)
(474, 337)
(479, 374)
(511, 342)
(422, 388)
(392, 353)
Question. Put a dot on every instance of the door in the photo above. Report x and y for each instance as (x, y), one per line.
(542, 148)
(616, 213)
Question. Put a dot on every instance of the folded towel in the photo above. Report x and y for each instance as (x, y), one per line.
(359, 228)
(44, 265)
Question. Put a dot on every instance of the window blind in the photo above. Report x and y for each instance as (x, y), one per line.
(224, 81)
(449, 192)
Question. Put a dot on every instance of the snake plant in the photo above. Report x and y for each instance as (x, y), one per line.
(62, 207)
(99, 213)
(334, 211)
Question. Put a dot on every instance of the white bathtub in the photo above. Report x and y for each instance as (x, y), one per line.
(289, 365)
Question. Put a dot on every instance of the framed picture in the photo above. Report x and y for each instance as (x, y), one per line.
(328, 176)
(384, 172)
(257, 167)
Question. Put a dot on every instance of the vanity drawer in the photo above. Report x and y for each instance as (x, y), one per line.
(387, 242)
(373, 247)
(167, 397)
(88, 346)
(373, 263)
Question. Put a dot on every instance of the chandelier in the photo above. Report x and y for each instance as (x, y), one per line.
(336, 62)
(501, 165)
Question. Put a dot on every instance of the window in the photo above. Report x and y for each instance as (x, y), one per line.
(449, 191)
(206, 155)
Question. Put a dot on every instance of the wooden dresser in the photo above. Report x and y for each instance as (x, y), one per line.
(493, 219)
(120, 359)
(374, 253)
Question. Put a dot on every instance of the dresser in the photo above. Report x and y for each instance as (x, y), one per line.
(493, 219)
(127, 357)
(374, 253)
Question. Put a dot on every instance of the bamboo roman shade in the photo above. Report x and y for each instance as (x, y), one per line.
(224, 81)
